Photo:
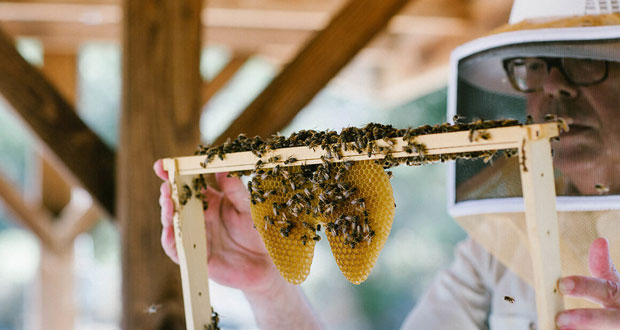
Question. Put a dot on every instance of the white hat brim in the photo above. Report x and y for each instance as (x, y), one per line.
(479, 62)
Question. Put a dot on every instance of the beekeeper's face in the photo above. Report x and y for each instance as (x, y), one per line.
(589, 100)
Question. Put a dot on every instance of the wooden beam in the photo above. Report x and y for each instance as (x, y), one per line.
(435, 144)
(321, 59)
(161, 111)
(80, 153)
(54, 286)
(61, 70)
(77, 217)
(64, 26)
(33, 218)
(54, 306)
(210, 88)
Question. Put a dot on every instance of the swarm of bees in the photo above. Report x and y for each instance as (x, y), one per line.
(291, 203)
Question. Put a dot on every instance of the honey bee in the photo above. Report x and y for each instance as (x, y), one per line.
(602, 189)
(290, 160)
(274, 159)
(360, 202)
(529, 120)
(551, 117)
(563, 125)
(509, 299)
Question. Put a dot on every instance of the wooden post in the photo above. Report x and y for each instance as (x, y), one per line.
(55, 302)
(541, 218)
(161, 110)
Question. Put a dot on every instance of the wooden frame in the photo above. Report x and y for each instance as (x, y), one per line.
(532, 142)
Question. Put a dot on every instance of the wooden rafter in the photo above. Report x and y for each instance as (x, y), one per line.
(77, 217)
(35, 219)
(65, 25)
(75, 148)
(210, 88)
(318, 62)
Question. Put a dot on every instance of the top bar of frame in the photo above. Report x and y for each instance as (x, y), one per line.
(438, 143)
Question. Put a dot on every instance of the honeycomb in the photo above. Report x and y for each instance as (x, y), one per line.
(374, 185)
(290, 235)
(291, 256)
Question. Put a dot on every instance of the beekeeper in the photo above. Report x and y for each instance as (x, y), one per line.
(554, 59)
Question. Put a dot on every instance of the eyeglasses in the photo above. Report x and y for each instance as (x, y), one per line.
(528, 74)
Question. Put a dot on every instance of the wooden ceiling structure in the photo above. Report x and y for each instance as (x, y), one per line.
(404, 44)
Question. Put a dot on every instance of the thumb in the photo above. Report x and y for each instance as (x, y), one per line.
(234, 189)
(600, 262)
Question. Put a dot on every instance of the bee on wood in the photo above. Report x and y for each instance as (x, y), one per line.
(529, 120)
(456, 118)
(551, 117)
(274, 159)
(602, 189)
(185, 195)
(509, 299)
(563, 125)
(489, 157)
(259, 164)
(290, 160)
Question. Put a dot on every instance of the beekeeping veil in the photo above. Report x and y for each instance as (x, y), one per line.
(485, 198)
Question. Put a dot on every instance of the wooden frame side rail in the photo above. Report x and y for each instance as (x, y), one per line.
(534, 149)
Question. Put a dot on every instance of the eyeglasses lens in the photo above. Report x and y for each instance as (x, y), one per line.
(529, 74)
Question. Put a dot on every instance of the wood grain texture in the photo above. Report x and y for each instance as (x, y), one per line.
(191, 241)
(317, 63)
(541, 220)
(61, 70)
(161, 110)
(76, 150)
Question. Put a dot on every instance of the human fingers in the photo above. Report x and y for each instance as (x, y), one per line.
(167, 210)
(589, 319)
(604, 292)
(166, 204)
(158, 167)
(235, 190)
(600, 262)
(214, 200)
(169, 244)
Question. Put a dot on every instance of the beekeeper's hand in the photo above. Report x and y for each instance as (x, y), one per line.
(237, 256)
(603, 288)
